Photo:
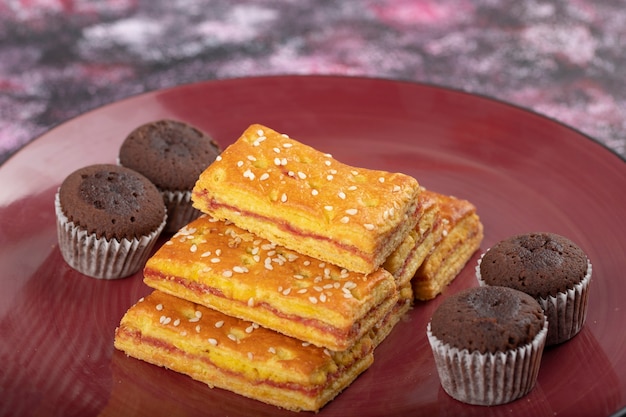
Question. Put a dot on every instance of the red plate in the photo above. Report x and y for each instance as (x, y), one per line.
(523, 171)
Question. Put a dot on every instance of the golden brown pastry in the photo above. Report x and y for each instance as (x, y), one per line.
(237, 355)
(307, 201)
(407, 258)
(461, 234)
(382, 329)
(217, 264)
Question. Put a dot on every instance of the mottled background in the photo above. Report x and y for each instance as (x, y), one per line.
(564, 59)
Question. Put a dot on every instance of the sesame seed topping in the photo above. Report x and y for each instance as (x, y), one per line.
(193, 248)
(301, 175)
(305, 344)
(283, 197)
(352, 211)
(198, 313)
(271, 350)
(342, 195)
(251, 158)
(227, 273)
(329, 177)
(250, 356)
(248, 174)
(239, 164)
(313, 300)
(159, 307)
(264, 176)
(344, 219)
(232, 337)
(197, 328)
(240, 269)
(213, 341)
(176, 322)
(327, 163)
(277, 150)
(328, 208)
(277, 161)
(249, 329)
(206, 254)
(219, 324)
(396, 188)
(250, 302)
(323, 298)
(218, 158)
(355, 173)
(287, 145)
(260, 132)
(215, 260)
(381, 179)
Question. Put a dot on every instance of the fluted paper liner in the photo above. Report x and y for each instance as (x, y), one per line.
(99, 257)
(180, 210)
(488, 378)
(566, 312)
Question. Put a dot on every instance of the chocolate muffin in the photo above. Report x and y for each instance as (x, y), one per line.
(171, 154)
(488, 343)
(550, 268)
(108, 218)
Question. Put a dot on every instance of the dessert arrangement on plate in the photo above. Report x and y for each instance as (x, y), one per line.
(285, 268)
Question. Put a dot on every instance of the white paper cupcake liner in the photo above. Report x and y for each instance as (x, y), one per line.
(180, 210)
(566, 312)
(488, 378)
(99, 257)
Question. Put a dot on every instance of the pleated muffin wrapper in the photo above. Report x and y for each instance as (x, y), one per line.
(488, 378)
(99, 257)
(566, 311)
(180, 210)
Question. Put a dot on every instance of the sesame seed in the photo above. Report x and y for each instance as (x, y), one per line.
(197, 328)
(352, 211)
(305, 344)
(159, 307)
(354, 172)
(302, 291)
(396, 188)
(213, 341)
(287, 145)
(287, 291)
(277, 150)
(342, 195)
(193, 248)
(218, 158)
(194, 320)
(328, 155)
(283, 197)
(327, 163)
(298, 276)
(352, 187)
(239, 164)
(250, 356)
(248, 174)
(323, 298)
(314, 192)
(344, 219)
(251, 158)
(313, 300)
(381, 179)
(271, 350)
(228, 273)
(301, 175)
(219, 324)
(232, 337)
(240, 269)
(368, 226)
(183, 333)
(260, 132)
(215, 260)
(249, 329)
(277, 161)
(264, 176)
(176, 322)
(445, 233)
(250, 302)
(306, 263)
(206, 254)
(198, 313)
(328, 208)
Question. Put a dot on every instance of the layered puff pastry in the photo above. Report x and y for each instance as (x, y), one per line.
(307, 201)
(459, 232)
(220, 265)
(419, 243)
(238, 355)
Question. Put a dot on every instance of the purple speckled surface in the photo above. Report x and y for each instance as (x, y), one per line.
(563, 59)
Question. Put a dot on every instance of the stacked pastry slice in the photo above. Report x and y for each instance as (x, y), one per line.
(291, 249)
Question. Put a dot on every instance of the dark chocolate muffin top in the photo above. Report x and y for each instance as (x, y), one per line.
(487, 319)
(112, 202)
(169, 153)
(539, 264)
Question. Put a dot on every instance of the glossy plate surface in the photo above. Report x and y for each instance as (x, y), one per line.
(524, 173)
